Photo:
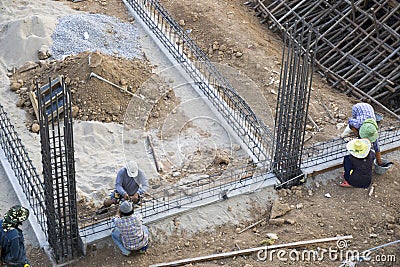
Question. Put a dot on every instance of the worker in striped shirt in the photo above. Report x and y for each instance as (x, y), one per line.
(129, 233)
(363, 124)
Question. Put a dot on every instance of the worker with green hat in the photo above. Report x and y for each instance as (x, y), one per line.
(363, 124)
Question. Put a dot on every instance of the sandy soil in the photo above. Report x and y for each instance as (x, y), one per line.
(231, 34)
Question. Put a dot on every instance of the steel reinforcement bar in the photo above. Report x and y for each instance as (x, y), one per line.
(57, 147)
(358, 43)
(314, 157)
(168, 201)
(178, 198)
(29, 180)
(292, 104)
(255, 135)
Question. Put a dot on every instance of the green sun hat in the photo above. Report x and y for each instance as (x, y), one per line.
(369, 130)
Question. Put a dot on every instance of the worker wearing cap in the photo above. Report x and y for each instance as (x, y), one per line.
(363, 124)
(12, 245)
(131, 184)
(129, 234)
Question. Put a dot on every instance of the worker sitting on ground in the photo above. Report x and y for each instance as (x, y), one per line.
(358, 165)
(129, 233)
(12, 247)
(363, 124)
(131, 184)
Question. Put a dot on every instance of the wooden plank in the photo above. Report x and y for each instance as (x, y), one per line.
(32, 97)
(249, 251)
(54, 84)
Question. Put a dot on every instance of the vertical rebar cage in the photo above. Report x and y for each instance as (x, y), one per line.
(292, 104)
(56, 135)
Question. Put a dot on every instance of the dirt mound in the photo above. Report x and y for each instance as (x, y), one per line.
(92, 98)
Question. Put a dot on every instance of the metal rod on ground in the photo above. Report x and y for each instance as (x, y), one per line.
(313, 122)
(248, 251)
(325, 108)
(308, 138)
(92, 74)
(252, 225)
(240, 249)
(158, 166)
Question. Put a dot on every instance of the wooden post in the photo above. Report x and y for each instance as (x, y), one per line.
(158, 166)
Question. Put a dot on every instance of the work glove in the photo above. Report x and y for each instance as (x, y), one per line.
(347, 131)
(135, 198)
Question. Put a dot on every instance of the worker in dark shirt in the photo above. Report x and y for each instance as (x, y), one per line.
(358, 165)
(12, 239)
(131, 184)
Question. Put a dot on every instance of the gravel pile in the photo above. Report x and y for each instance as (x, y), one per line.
(93, 32)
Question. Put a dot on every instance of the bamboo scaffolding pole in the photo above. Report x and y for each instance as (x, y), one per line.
(363, 93)
(384, 26)
(249, 251)
(367, 38)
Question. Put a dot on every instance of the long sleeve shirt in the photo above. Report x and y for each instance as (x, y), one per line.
(132, 234)
(13, 247)
(360, 112)
(126, 184)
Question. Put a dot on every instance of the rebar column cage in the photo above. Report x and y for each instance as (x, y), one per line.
(56, 136)
(292, 103)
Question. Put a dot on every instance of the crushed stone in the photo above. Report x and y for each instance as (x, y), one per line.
(95, 32)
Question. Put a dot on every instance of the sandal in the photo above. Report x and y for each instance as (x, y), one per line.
(345, 184)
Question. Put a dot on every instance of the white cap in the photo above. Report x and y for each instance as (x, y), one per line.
(125, 207)
(132, 168)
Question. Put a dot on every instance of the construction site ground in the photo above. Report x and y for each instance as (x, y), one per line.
(230, 33)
